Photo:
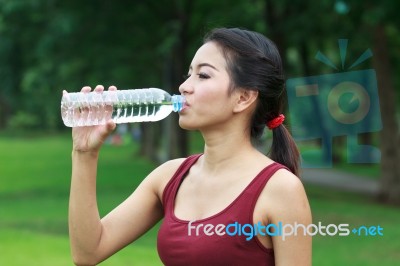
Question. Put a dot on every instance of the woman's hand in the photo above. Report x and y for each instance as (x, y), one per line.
(90, 138)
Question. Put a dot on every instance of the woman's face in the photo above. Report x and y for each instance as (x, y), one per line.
(209, 104)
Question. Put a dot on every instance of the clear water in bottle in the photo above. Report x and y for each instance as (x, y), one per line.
(123, 106)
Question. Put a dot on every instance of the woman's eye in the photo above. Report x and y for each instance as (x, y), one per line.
(200, 75)
(203, 76)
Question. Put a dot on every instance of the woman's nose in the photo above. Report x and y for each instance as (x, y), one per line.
(185, 87)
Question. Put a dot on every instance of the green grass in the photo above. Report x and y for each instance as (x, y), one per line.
(313, 154)
(369, 171)
(333, 207)
(34, 188)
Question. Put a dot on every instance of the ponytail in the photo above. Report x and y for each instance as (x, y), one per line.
(284, 150)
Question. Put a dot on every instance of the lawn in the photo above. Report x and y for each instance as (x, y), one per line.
(34, 188)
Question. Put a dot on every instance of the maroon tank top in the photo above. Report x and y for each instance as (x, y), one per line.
(208, 246)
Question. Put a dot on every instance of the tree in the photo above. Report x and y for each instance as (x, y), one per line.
(357, 20)
(378, 20)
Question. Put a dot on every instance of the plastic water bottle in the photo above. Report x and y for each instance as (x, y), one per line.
(123, 106)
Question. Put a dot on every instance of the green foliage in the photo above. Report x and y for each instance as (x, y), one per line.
(23, 121)
(47, 46)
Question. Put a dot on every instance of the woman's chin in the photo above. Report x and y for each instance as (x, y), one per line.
(184, 124)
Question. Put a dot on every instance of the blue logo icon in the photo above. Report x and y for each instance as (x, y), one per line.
(340, 104)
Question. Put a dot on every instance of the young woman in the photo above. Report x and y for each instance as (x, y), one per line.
(221, 207)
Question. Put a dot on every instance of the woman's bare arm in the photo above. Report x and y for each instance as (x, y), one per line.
(288, 204)
(94, 239)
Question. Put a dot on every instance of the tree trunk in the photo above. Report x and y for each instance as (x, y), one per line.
(4, 112)
(177, 138)
(389, 137)
(274, 21)
(167, 140)
(149, 140)
(329, 151)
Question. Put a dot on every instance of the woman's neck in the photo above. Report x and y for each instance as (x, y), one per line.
(225, 150)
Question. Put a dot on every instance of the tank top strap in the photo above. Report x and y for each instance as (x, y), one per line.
(172, 186)
(247, 201)
(263, 177)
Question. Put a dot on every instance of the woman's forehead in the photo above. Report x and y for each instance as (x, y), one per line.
(209, 54)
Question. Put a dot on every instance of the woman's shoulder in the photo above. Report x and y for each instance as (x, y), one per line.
(284, 191)
(284, 180)
(167, 169)
(161, 175)
(172, 166)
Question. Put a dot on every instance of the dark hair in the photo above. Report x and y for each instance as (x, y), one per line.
(254, 63)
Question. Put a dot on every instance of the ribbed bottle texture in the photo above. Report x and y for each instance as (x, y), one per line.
(123, 106)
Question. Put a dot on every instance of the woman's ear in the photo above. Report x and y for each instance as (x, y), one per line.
(245, 99)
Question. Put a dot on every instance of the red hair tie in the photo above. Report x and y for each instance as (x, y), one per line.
(276, 122)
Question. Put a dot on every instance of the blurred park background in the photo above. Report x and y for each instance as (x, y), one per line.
(47, 46)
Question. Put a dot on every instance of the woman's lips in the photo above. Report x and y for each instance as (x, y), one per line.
(185, 106)
(186, 103)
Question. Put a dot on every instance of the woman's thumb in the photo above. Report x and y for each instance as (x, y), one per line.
(109, 127)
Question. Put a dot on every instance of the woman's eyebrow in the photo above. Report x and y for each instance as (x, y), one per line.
(204, 64)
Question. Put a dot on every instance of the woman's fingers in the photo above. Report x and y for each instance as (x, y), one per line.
(86, 89)
(98, 88)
